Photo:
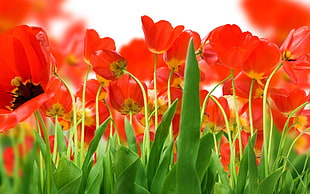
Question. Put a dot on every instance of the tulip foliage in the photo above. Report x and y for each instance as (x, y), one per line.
(170, 113)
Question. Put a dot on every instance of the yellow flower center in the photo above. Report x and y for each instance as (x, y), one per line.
(301, 122)
(23, 92)
(287, 56)
(130, 106)
(118, 67)
(56, 110)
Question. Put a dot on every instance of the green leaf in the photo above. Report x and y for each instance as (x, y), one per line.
(204, 155)
(267, 185)
(247, 176)
(158, 144)
(253, 174)
(61, 142)
(94, 180)
(188, 139)
(35, 186)
(67, 176)
(162, 170)
(91, 150)
(28, 170)
(131, 139)
(126, 162)
(288, 183)
(220, 188)
(108, 181)
(169, 186)
(41, 144)
(95, 141)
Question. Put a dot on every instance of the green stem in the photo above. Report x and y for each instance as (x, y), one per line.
(73, 129)
(238, 131)
(292, 145)
(169, 101)
(204, 104)
(83, 117)
(48, 161)
(286, 129)
(146, 137)
(97, 105)
(54, 155)
(251, 108)
(232, 166)
(155, 90)
(266, 129)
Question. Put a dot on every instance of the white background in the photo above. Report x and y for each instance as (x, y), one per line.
(121, 19)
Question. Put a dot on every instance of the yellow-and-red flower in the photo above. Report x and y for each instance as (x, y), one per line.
(262, 60)
(93, 42)
(231, 45)
(288, 101)
(125, 95)
(108, 64)
(60, 103)
(176, 54)
(159, 36)
(25, 62)
(296, 51)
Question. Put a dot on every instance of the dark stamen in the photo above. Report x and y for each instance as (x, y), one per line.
(24, 93)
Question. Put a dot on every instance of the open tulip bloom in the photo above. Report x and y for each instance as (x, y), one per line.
(175, 112)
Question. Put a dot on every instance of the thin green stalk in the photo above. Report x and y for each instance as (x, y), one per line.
(41, 162)
(83, 117)
(204, 104)
(292, 145)
(215, 145)
(146, 137)
(48, 153)
(73, 129)
(251, 108)
(286, 129)
(238, 131)
(16, 160)
(266, 129)
(54, 155)
(155, 91)
(169, 87)
(232, 166)
(169, 101)
(97, 104)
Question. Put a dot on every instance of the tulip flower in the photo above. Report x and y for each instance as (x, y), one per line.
(60, 103)
(159, 36)
(296, 51)
(176, 54)
(231, 45)
(108, 64)
(93, 42)
(125, 95)
(262, 60)
(25, 61)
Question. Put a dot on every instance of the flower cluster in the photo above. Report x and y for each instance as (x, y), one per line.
(172, 103)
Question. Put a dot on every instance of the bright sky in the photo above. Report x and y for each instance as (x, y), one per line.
(121, 19)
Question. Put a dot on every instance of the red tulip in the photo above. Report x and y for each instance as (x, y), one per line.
(125, 95)
(262, 60)
(108, 64)
(25, 61)
(93, 42)
(176, 54)
(159, 36)
(231, 45)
